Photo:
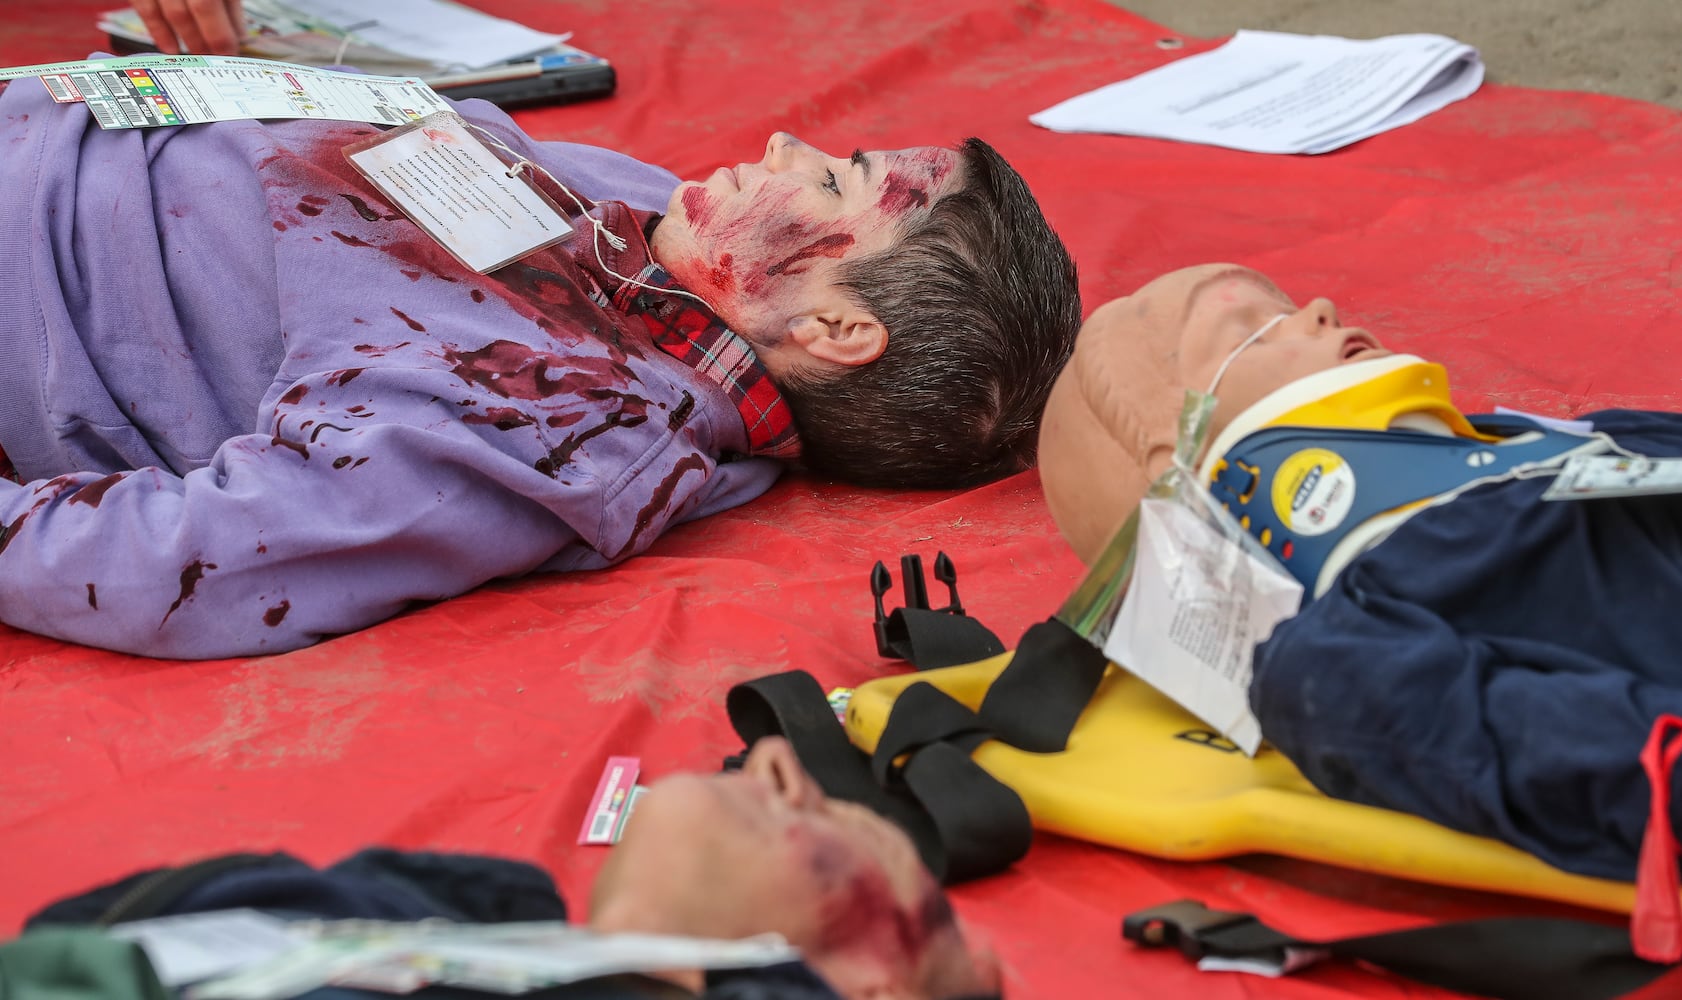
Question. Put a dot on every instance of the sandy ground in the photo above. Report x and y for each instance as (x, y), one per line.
(1627, 47)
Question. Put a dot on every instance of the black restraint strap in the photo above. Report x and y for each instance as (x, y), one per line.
(923, 715)
(1034, 703)
(929, 639)
(963, 822)
(1509, 958)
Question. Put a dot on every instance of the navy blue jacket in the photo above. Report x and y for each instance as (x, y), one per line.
(386, 884)
(1497, 664)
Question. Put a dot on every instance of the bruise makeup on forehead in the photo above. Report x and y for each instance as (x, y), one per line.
(912, 176)
(1242, 275)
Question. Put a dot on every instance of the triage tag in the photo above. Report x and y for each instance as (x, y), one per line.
(477, 207)
(612, 801)
(1589, 477)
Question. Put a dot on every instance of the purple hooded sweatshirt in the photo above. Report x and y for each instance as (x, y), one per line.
(252, 406)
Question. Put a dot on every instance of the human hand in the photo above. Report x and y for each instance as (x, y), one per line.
(211, 27)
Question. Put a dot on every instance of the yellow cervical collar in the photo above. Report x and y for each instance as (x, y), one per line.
(1367, 395)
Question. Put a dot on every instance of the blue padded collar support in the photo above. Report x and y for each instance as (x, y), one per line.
(1301, 491)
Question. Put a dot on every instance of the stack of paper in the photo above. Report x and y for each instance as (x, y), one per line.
(421, 37)
(1267, 92)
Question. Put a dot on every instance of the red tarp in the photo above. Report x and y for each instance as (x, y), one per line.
(1526, 239)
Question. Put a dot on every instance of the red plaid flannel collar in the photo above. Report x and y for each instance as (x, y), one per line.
(683, 327)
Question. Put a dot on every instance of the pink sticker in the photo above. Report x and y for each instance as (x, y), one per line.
(613, 793)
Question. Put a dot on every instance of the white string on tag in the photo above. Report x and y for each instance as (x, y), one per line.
(599, 229)
(347, 33)
(1236, 351)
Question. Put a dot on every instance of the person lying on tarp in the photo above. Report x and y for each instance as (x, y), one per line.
(1467, 651)
(725, 857)
(251, 404)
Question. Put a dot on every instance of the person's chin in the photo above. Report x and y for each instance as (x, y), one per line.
(674, 204)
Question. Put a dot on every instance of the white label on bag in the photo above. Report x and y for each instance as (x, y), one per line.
(1196, 608)
(1588, 477)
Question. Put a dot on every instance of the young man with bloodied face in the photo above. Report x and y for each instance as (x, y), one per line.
(249, 404)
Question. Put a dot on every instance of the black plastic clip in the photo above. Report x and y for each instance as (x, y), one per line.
(916, 593)
(1182, 924)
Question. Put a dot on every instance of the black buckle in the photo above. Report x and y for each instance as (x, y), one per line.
(916, 595)
(1180, 924)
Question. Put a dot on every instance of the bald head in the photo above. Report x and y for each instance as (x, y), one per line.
(1110, 423)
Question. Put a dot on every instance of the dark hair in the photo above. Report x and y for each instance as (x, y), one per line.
(981, 306)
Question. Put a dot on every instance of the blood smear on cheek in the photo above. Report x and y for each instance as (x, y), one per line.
(699, 206)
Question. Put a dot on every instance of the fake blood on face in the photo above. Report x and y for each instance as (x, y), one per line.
(699, 207)
(834, 245)
(722, 276)
(863, 913)
(900, 194)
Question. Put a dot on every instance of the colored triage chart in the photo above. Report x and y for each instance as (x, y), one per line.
(156, 90)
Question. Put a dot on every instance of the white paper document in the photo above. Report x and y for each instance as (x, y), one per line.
(151, 91)
(1195, 609)
(317, 33)
(433, 31)
(193, 946)
(508, 958)
(1589, 477)
(1270, 92)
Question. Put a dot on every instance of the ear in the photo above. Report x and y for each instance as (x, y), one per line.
(844, 335)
